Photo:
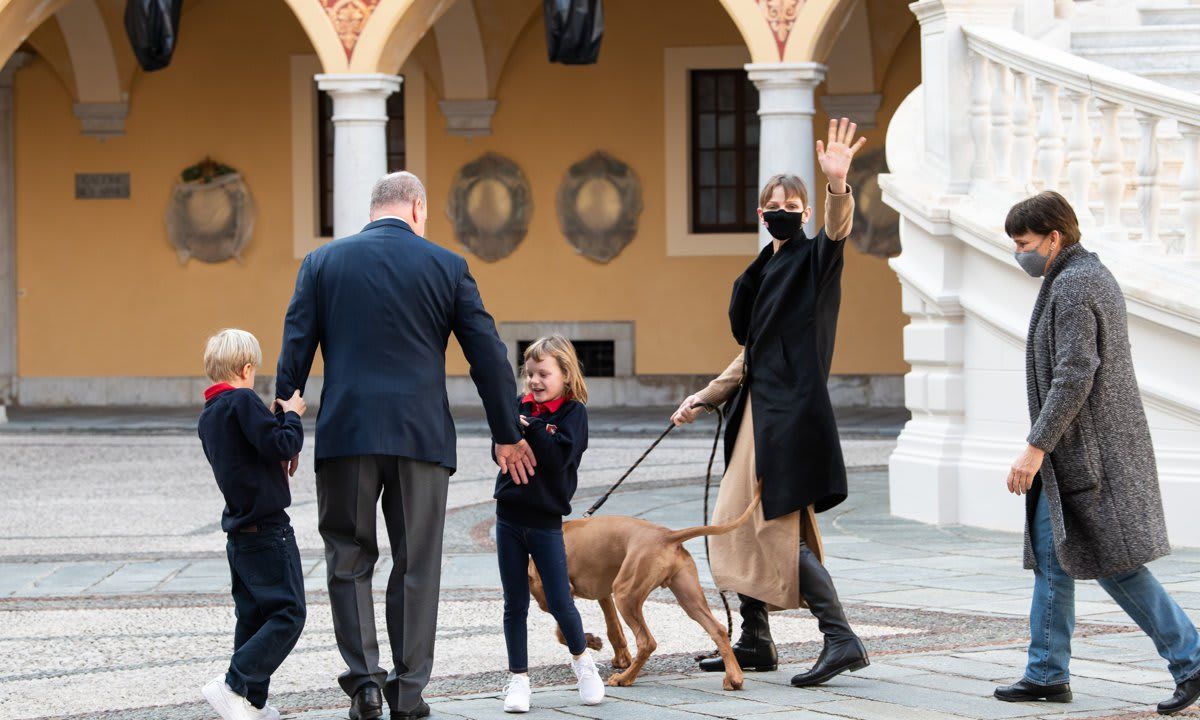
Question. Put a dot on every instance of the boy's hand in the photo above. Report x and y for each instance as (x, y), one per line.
(835, 156)
(294, 404)
(289, 466)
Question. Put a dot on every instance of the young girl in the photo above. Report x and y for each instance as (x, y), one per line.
(529, 516)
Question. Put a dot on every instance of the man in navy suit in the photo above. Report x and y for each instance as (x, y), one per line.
(381, 305)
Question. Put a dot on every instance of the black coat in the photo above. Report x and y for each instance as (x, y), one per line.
(382, 305)
(784, 312)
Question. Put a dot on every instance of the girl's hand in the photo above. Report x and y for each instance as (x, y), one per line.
(523, 420)
(1024, 469)
(835, 155)
(686, 412)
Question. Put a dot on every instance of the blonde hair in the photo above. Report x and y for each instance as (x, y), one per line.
(792, 186)
(563, 352)
(228, 352)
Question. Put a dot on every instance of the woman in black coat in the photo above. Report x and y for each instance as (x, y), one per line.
(781, 427)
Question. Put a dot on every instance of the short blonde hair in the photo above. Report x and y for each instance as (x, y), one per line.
(228, 352)
(792, 186)
(561, 349)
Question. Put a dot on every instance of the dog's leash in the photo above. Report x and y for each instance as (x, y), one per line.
(707, 487)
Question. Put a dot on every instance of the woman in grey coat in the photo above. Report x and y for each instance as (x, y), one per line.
(1093, 509)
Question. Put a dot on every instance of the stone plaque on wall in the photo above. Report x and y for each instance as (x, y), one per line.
(102, 186)
(876, 225)
(490, 205)
(599, 202)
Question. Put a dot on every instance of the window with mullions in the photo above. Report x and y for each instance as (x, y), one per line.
(724, 151)
(395, 150)
(596, 357)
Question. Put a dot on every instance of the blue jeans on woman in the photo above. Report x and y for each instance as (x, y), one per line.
(514, 546)
(1052, 615)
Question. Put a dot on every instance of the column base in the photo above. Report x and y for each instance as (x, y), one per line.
(923, 471)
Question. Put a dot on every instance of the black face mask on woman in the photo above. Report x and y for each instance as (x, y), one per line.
(783, 224)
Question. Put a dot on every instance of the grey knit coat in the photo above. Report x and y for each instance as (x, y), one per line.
(1099, 473)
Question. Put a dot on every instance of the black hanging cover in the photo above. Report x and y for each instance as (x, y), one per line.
(153, 30)
(574, 29)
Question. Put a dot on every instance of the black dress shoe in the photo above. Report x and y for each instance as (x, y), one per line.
(420, 711)
(1025, 691)
(1186, 694)
(367, 703)
(754, 650)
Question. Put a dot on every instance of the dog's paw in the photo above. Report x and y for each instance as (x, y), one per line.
(733, 683)
(594, 642)
(622, 659)
(619, 680)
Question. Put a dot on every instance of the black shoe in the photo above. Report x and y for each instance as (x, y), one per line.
(754, 650)
(1186, 694)
(1025, 691)
(843, 651)
(367, 703)
(420, 711)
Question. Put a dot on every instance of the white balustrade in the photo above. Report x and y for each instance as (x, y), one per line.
(1012, 73)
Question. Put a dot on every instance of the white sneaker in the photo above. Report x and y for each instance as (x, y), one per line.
(591, 687)
(516, 695)
(270, 712)
(228, 704)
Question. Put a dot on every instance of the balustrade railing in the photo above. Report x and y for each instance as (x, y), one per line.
(1022, 96)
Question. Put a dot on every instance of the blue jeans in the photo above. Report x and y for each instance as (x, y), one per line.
(514, 546)
(268, 599)
(1052, 615)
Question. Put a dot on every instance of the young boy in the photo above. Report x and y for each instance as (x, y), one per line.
(249, 448)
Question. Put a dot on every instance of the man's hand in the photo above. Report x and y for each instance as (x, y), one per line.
(1024, 469)
(289, 466)
(516, 460)
(294, 404)
(835, 155)
(688, 411)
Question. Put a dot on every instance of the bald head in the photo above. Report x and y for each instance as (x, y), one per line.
(402, 195)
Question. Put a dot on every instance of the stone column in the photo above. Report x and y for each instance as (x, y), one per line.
(8, 238)
(785, 111)
(359, 142)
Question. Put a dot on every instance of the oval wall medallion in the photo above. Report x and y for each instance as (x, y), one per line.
(599, 202)
(490, 204)
(210, 215)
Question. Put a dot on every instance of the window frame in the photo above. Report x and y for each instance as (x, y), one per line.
(741, 149)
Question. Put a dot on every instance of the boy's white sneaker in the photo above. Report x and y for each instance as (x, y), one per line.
(516, 695)
(270, 712)
(591, 687)
(228, 704)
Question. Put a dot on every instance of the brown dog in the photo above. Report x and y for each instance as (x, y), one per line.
(618, 561)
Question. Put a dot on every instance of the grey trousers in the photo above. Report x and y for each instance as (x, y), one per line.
(414, 510)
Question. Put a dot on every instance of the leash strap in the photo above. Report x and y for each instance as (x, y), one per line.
(604, 498)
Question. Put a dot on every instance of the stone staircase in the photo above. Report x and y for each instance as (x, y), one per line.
(1164, 46)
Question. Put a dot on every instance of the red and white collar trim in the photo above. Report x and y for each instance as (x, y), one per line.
(215, 390)
(546, 408)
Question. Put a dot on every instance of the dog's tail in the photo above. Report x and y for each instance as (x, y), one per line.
(695, 532)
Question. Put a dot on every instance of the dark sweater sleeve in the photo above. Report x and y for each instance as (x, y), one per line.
(274, 439)
(557, 451)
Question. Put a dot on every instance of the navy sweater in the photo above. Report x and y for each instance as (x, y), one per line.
(245, 444)
(547, 498)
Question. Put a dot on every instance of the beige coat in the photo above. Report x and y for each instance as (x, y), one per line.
(761, 559)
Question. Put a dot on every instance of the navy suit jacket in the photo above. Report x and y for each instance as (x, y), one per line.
(381, 305)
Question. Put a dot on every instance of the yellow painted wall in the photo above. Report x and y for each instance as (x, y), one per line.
(102, 290)
(103, 293)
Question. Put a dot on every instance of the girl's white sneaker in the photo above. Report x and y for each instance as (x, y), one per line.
(591, 687)
(228, 704)
(516, 695)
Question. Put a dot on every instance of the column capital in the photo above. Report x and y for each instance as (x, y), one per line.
(990, 12)
(359, 83)
(468, 118)
(15, 62)
(805, 74)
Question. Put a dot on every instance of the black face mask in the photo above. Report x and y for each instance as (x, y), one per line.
(782, 224)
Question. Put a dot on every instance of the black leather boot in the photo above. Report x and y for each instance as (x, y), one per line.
(843, 650)
(754, 650)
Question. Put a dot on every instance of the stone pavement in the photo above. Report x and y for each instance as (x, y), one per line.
(113, 598)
